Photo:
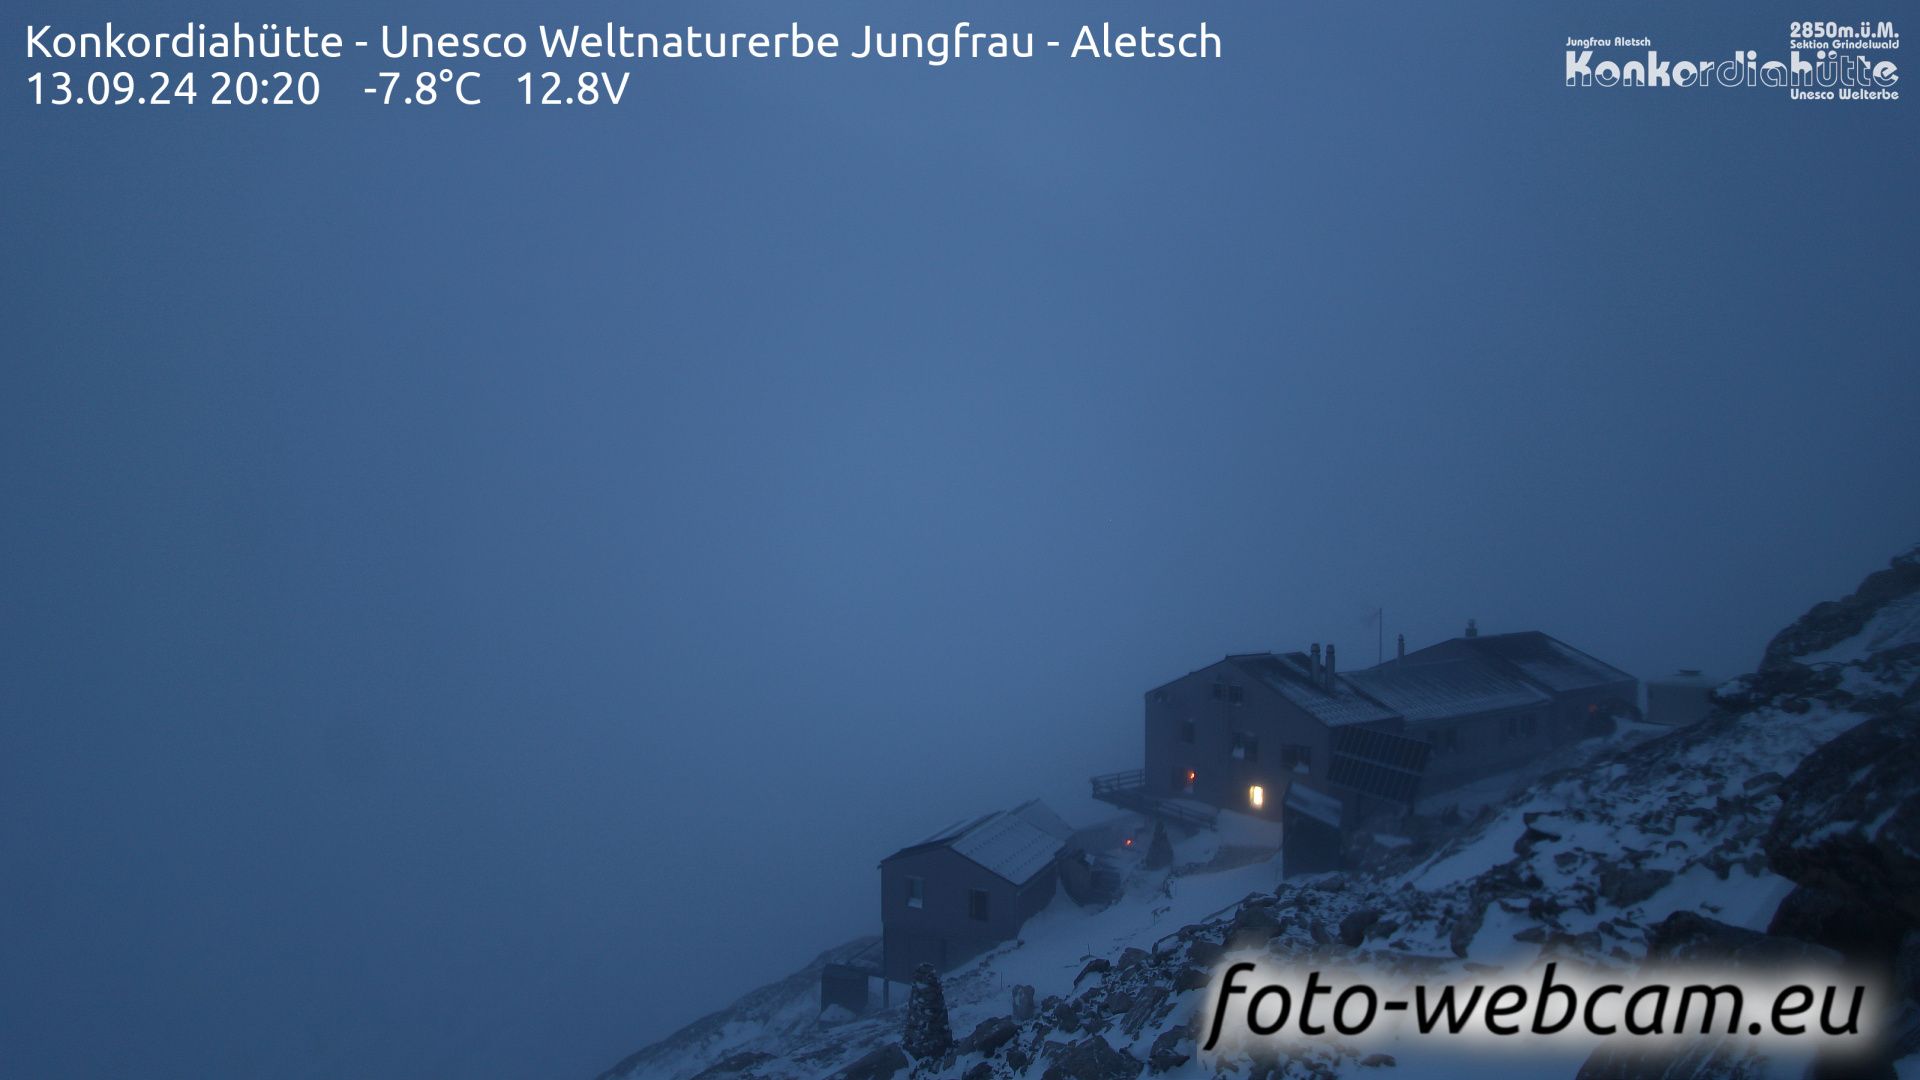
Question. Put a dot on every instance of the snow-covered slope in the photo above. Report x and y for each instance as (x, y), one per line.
(1586, 864)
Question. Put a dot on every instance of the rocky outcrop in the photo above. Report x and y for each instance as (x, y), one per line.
(1835, 621)
(1855, 926)
(1849, 821)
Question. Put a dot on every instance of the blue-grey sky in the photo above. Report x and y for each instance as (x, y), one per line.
(483, 588)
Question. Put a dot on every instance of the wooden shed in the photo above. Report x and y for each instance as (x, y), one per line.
(968, 887)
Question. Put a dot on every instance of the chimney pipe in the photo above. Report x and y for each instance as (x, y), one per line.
(1472, 630)
(1400, 646)
(1313, 663)
(1330, 667)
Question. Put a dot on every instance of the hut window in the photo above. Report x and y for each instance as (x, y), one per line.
(1256, 796)
(916, 891)
(1186, 731)
(1246, 747)
(1297, 757)
(977, 904)
(1520, 727)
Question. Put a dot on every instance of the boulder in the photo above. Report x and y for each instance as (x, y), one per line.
(1685, 935)
(1461, 934)
(1256, 918)
(1838, 920)
(1530, 838)
(1849, 820)
(1353, 928)
(1205, 953)
(1625, 886)
(989, 1036)
(1093, 1059)
(1166, 1053)
(1099, 965)
(1023, 1006)
(1146, 1007)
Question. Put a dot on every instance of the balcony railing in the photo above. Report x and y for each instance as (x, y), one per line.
(1128, 791)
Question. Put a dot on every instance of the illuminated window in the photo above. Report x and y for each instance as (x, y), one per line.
(916, 892)
(1256, 796)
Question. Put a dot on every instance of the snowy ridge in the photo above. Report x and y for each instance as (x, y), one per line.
(759, 1019)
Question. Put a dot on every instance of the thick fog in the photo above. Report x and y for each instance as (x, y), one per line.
(483, 590)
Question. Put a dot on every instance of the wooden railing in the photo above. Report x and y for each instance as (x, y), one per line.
(1128, 791)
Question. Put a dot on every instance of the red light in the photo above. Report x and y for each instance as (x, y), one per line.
(1190, 776)
(1128, 841)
